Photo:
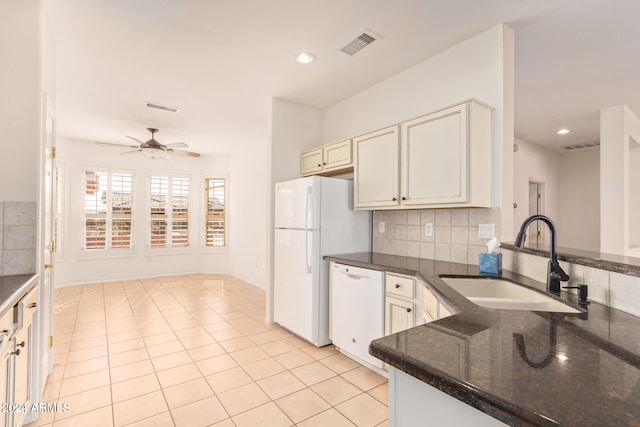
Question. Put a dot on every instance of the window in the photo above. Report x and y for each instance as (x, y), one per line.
(108, 200)
(215, 215)
(169, 211)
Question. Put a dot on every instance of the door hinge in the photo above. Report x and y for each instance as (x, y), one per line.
(538, 195)
(53, 152)
(538, 233)
(50, 340)
(52, 246)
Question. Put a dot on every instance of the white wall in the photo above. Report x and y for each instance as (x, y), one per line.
(20, 89)
(246, 216)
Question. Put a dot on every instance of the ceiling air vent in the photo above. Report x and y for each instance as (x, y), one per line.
(359, 43)
(583, 145)
(162, 107)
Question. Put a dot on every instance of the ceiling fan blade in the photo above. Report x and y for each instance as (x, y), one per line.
(183, 153)
(117, 145)
(132, 151)
(135, 139)
(177, 145)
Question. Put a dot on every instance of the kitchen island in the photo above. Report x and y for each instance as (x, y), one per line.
(523, 368)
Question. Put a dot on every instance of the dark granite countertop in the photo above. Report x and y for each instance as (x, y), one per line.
(12, 288)
(570, 370)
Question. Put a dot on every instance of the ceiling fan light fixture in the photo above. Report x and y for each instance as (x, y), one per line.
(563, 131)
(305, 57)
(154, 153)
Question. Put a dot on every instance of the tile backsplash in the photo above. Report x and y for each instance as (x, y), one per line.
(18, 237)
(454, 238)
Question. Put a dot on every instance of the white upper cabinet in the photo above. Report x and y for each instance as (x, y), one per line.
(376, 169)
(445, 161)
(327, 159)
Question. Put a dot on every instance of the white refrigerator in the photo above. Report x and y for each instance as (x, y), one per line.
(314, 217)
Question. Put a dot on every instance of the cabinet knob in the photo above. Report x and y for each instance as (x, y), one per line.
(353, 340)
(397, 286)
(319, 164)
(325, 163)
(17, 352)
(404, 198)
(20, 344)
(408, 310)
(394, 199)
(32, 305)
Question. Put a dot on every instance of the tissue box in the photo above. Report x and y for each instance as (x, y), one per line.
(490, 263)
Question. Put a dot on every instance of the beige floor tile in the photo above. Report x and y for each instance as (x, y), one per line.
(364, 378)
(138, 408)
(199, 414)
(197, 341)
(364, 410)
(298, 342)
(268, 415)
(218, 327)
(122, 327)
(97, 418)
(84, 402)
(134, 387)
(127, 357)
(51, 391)
(123, 346)
(188, 392)
(336, 390)
(86, 354)
(385, 423)
(100, 340)
(85, 326)
(161, 420)
(330, 417)
(280, 385)
(313, 373)
(85, 367)
(243, 398)
(263, 368)
(154, 330)
(191, 332)
(131, 370)
(235, 344)
(165, 348)
(228, 380)
(206, 352)
(216, 364)
(302, 404)
(123, 336)
(171, 361)
(321, 352)
(248, 355)
(381, 393)
(278, 347)
(293, 359)
(265, 337)
(84, 382)
(90, 333)
(339, 363)
(178, 375)
(185, 324)
(160, 338)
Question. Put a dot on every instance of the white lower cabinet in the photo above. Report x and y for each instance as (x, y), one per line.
(403, 303)
(357, 306)
(413, 402)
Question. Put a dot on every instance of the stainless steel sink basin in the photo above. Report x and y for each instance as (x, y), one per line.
(498, 293)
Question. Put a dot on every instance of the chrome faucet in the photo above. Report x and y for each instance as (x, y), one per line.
(555, 273)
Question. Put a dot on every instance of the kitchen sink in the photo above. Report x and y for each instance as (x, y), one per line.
(502, 294)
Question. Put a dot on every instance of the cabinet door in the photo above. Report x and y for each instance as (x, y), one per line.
(311, 162)
(399, 315)
(376, 169)
(434, 158)
(337, 155)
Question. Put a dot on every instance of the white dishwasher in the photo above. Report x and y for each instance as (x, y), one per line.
(357, 310)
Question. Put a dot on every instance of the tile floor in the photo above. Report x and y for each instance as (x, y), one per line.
(194, 350)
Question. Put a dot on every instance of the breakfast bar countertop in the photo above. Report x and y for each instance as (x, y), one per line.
(12, 288)
(524, 368)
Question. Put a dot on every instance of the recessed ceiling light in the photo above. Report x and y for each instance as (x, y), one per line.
(304, 58)
(563, 131)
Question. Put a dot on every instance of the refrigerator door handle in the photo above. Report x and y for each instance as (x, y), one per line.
(306, 208)
(307, 242)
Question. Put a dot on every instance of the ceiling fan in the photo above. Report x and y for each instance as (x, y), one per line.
(154, 150)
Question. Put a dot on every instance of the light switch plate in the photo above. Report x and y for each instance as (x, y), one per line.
(381, 227)
(428, 229)
(486, 231)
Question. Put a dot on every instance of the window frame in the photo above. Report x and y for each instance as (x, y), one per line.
(204, 211)
(170, 249)
(108, 251)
